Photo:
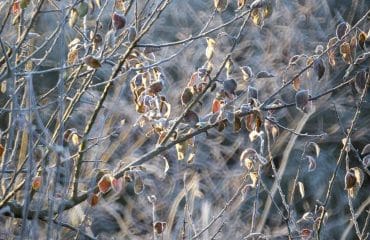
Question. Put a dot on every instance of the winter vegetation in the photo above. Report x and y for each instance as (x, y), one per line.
(184, 119)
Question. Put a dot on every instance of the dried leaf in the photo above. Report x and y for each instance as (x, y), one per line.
(241, 4)
(117, 185)
(36, 183)
(216, 106)
(230, 86)
(118, 21)
(293, 60)
(252, 93)
(253, 135)
(349, 179)
(16, 8)
(128, 176)
(72, 56)
(220, 5)
(105, 183)
(319, 49)
(360, 81)
(131, 34)
(247, 72)
(92, 62)
(301, 189)
(191, 118)
(256, 17)
(3, 87)
(138, 184)
(186, 96)
(93, 200)
(267, 10)
(345, 50)
(237, 123)
(181, 149)
(301, 100)
(315, 147)
(362, 36)
(156, 87)
(342, 29)
(319, 68)
(73, 17)
(331, 51)
(159, 227)
(274, 132)
(311, 163)
(348, 147)
(296, 84)
(366, 161)
(254, 178)
(166, 165)
(210, 48)
(365, 150)
(306, 234)
(249, 157)
(229, 67)
(359, 175)
(74, 139)
(74, 43)
(264, 74)
(1, 150)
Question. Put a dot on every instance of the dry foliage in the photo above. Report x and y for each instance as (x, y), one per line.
(165, 119)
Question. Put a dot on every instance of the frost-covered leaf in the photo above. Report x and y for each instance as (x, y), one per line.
(92, 62)
(315, 147)
(252, 92)
(37, 183)
(362, 36)
(319, 68)
(230, 86)
(301, 100)
(159, 227)
(138, 184)
(296, 84)
(210, 48)
(366, 149)
(181, 149)
(117, 184)
(118, 21)
(342, 29)
(264, 74)
(93, 200)
(311, 163)
(73, 17)
(301, 189)
(257, 18)
(247, 72)
(220, 5)
(105, 183)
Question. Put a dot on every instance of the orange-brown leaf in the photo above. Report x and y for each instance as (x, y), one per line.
(94, 200)
(216, 106)
(105, 183)
(1, 150)
(36, 183)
